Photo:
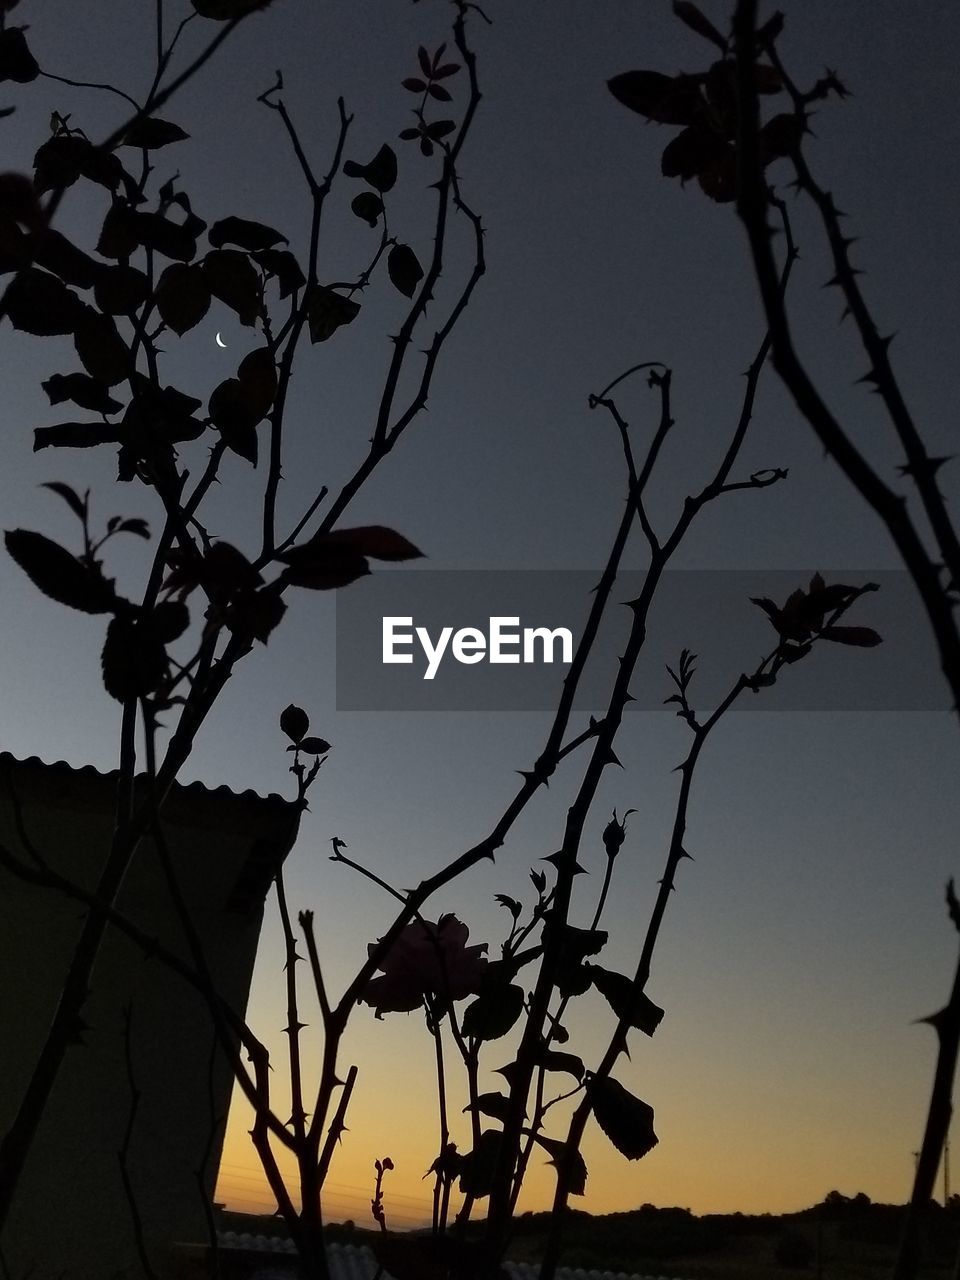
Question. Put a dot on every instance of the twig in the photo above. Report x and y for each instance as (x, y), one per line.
(124, 1153)
(946, 1023)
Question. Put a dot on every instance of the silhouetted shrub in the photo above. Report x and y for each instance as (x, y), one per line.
(794, 1250)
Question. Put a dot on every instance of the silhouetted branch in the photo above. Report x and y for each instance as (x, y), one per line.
(294, 1025)
(217, 1123)
(123, 1155)
(752, 205)
(946, 1023)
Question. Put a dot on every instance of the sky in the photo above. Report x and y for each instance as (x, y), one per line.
(810, 932)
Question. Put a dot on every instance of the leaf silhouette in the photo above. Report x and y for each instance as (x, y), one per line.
(120, 290)
(135, 524)
(82, 390)
(118, 235)
(627, 1121)
(18, 200)
(373, 540)
(555, 1060)
(252, 236)
(151, 133)
(59, 574)
(55, 252)
(322, 569)
(719, 179)
(283, 266)
(294, 722)
(133, 660)
(225, 10)
(780, 136)
(39, 303)
(368, 207)
(862, 637)
(479, 1165)
(16, 61)
(577, 944)
(254, 616)
(65, 157)
(258, 377)
(698, 22)
(173, 239)
(691, 152)
(625, 1000)
(182, 296)
(663, 99)
(381, 172)
(313, 746)
(232, 417)
(327, 311)
(70, 497)
(170, 617)
(103, 353)
(232, 277)
(75, 435)
(572, 977)
(494, 1012)
(495, 1105)
(404, 269)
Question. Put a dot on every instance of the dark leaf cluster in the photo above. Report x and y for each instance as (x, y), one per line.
(704, 104)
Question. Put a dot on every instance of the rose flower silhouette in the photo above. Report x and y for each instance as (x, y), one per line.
(426, 960)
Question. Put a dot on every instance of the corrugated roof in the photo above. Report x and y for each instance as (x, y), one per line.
(89, 771)
(267, 825)
(356, 1262)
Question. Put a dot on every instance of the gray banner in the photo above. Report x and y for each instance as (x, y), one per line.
(707, 611)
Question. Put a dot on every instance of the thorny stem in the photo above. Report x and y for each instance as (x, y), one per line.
(216, 1124)
(946, 1023)
(124, 1153)
(877, 348)
(765, 672)
(292, 1029)
(660, 555)
(442, 1182)
(319, 192)
(337, 1126)
(752, 204)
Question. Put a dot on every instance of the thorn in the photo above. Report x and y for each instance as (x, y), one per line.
(561, 860)
(295, 1027)
(936, 1020)
(926, 468)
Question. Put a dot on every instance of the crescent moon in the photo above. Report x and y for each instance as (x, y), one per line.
(220, 342)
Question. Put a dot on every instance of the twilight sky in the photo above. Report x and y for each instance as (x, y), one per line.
(810, 930)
